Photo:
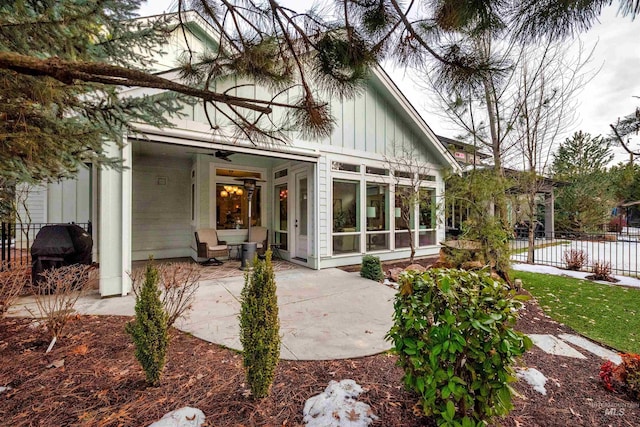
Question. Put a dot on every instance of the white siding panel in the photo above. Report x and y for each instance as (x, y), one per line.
(323, 229)
(35, 203)
(161, 219)
(348, 123)
(360, 123)
(70, 200)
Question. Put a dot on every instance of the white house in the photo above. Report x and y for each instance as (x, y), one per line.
(325, 202)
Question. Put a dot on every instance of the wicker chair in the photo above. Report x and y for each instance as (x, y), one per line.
(260, 235)
(209, 246)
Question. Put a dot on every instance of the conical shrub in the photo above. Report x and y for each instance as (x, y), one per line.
(260, 326)
(149, 329)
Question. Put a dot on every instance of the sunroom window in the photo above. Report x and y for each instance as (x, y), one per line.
(377, 212)
(346, 216)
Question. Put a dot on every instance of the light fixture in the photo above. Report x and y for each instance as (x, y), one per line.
(231, 190)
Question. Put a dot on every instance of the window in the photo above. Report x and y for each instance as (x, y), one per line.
(377, 213)
(346, 216)
(404, 216)
(377, 171)
(347, 167)
(280, 174)
(237, 173)
(402, 174)
(425, 177)
(280, 212)
(232, 207)
(427, 217)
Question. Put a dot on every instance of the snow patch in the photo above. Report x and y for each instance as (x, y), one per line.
(183, 417)
(337, 407)
(534, 377)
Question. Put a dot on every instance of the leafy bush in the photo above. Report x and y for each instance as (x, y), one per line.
(371, 268)
(260, 326)
(624, 377)
(601, 270)
(149, 329)
(575, 259)
(453, 335)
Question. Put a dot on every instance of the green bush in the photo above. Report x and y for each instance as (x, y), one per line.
(453, 335)
(371, 268)
(149, 329)
(260, 326)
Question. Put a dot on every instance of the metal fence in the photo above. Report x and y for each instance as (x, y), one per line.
(619, 249)
(16, 240)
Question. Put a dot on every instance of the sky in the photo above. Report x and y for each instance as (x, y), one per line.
(607, 97)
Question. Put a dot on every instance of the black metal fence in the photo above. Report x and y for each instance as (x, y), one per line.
(17, 238)
(619, 249)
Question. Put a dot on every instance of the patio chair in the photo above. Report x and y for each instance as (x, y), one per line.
(260, 235)
(209, 246)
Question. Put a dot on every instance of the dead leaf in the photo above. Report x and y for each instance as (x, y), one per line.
(191, 418)
(352, 415)
(80, 350)
(56, 364)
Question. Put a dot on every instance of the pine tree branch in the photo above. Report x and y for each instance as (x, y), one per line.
(621, 141)
(69, 72)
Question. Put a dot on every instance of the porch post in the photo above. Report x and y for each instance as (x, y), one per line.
(549, 215)
(114, 234)
(441, 221)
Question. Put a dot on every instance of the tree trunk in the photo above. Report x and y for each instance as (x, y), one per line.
(532, 243)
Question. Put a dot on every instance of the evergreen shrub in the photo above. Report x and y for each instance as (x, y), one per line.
(453, 333)
(260, 326)
(149, 329)
(371, 268)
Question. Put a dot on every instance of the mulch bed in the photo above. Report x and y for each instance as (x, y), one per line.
(101, 384)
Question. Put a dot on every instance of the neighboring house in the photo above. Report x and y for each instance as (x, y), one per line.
(518, 213)
(325, 202)
(465, 154)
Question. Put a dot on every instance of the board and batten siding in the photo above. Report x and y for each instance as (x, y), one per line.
(70, 200)
(324, 205)
(34, 207)
(60, 202)
(161, 208)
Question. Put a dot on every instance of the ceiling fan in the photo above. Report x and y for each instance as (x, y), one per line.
(219, 154)
(222, 155)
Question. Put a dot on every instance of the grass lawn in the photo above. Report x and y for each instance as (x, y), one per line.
(604, 313)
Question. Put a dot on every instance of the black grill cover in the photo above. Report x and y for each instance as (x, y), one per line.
(60, 245)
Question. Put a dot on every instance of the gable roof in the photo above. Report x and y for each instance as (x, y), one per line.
(405, 106)
(193, 21)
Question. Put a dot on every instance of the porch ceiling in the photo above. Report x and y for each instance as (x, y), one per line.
(185, 152)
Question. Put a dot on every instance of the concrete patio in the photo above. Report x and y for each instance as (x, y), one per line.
(324, 314)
